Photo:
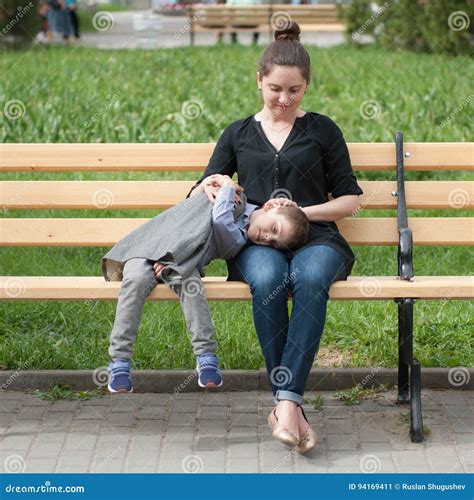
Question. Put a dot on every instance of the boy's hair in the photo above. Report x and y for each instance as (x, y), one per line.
(299, 227)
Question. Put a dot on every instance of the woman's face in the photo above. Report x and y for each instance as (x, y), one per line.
(282, 90)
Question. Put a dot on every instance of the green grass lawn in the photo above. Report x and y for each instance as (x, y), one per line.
(138, 96)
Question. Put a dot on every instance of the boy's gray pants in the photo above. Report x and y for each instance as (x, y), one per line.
(138, 282)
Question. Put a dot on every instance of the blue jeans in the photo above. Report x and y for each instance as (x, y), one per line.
(59, 21)
(289, 343)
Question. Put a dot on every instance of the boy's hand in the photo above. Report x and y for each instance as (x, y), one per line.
(211, 185)
(227, 181)
(158, 267)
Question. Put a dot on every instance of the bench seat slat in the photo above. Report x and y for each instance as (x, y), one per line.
(305, 27)
(164, 194)
(372, 231)
(194, 157)
(216, 288)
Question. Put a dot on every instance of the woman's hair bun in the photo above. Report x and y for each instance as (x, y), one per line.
(287, 29)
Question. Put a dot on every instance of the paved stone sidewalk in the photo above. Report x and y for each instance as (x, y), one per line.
(227, 432)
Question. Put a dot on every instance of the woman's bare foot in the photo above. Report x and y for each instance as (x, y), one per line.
(287, 415)
(303, 425)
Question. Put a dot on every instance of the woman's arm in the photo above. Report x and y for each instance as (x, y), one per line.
(334, 210)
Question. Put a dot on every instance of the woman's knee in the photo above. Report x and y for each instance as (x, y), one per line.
(264, 271)
(317, 269)
(314, 279)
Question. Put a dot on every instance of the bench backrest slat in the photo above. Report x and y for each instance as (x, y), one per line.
(114, 195)
(194, 157)
(365, 231)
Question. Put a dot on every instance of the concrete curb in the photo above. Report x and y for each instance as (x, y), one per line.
(320, 379)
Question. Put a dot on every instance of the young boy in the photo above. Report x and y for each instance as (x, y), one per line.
(177, 254)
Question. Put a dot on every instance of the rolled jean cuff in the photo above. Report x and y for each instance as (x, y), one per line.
(288, 396)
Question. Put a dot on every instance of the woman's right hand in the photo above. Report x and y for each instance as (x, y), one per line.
(279, 202)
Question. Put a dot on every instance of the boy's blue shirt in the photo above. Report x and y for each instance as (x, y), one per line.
(229, 236)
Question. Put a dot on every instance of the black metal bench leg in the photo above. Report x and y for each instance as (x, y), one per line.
(416, 417)
(409, 370)
(404, 354)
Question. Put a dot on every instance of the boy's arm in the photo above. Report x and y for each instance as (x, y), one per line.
(229, 237)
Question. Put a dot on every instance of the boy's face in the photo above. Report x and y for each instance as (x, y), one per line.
(269, 228)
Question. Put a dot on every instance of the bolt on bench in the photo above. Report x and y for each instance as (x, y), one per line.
(405, 233)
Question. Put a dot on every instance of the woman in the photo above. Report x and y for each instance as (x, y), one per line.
(285, 151)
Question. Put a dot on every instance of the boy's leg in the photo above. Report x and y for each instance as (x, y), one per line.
(196, 312)
(199, 323)
(138, 282)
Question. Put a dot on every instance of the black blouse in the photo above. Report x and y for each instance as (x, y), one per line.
(313, 161)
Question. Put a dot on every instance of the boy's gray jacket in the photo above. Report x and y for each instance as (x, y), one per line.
(178, 238)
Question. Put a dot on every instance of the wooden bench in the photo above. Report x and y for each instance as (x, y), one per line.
(262, 18)
(97, 195)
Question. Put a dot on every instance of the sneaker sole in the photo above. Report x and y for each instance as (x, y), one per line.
(120, 391)
(210, 385)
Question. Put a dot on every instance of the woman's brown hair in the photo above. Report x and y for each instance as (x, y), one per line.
(286, 50)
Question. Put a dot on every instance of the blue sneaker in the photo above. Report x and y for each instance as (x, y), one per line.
(207, 368)
(120, 379)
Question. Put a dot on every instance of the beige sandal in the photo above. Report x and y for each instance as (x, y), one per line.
(279, 432)
(309, 439)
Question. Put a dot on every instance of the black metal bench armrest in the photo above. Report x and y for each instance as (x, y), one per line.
(405, 254)
(405, 244)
